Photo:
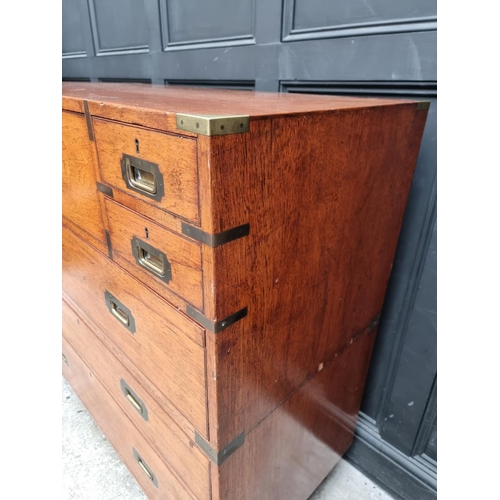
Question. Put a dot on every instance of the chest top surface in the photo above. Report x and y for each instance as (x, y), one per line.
(172, 100)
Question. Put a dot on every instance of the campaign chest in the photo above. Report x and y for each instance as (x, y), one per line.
(225, 260)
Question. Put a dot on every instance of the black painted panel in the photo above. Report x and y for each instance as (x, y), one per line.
(416, 371)
(73, 42)
(404, 281)
(119, 25)
(399, 57)
(219, 84)
(125, 80)
(310, 14)
(431, 449)
(403, 477)
(208, 20)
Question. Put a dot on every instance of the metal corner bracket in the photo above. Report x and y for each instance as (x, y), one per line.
(213, 124)
(218, 457)
(215, 326)
(215, 240)
(88, 119)
(108, 243)
(423, 105)
(102, 188)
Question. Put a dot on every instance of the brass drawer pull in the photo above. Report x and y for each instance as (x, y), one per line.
(134, 399)
(142, 176)
(151, 259)
(144, 466)
(134, 403)
(120, 312)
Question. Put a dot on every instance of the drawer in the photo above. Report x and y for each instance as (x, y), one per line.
(157, 480)
(185, 459)
(156, 167)
(163, 343)
(81, 204)
(158, 257)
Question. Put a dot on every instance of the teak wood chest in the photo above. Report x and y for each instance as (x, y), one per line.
(225, 260)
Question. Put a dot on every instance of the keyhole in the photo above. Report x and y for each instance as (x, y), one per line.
(147, 232)
(137, 146)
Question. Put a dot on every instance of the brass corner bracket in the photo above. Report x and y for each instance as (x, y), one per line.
(213, 124)
(423, 105)
(218, 457)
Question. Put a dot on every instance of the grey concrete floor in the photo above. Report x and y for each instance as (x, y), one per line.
(93, 471)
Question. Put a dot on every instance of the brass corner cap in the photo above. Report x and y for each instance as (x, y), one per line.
(213, 124)
(423, 105)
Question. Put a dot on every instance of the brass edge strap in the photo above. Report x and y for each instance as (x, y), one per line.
(89, 122)
(215, 240)
(218, 457)
(217, 326)
(104, 189)
(423, 105)
(108, 241)
(213, 124)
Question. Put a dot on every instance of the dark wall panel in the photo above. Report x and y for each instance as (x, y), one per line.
(73, 42)
(414, 378)
(308, 19)
(119, 26)
(309, 14)
(206, 21)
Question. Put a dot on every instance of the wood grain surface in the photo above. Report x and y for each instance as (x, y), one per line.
(187, 462)
(174, 155)
(120, 431)
(325, 209)
(155, 106)
(81, 203)
(184, 255)
(292, 450)
(323, 183)
(163, 345)
(136, 371)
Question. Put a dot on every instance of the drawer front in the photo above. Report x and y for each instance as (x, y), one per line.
(156, 167)
(157, 480)
(159, 257)
(150, 418)
(160, 341)
(80, 197)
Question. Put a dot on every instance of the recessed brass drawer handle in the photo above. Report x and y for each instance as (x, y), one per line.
(151, 259)
(142, 176)
(134, 399)
(120, 312)
(144, 466)
(134, 403)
